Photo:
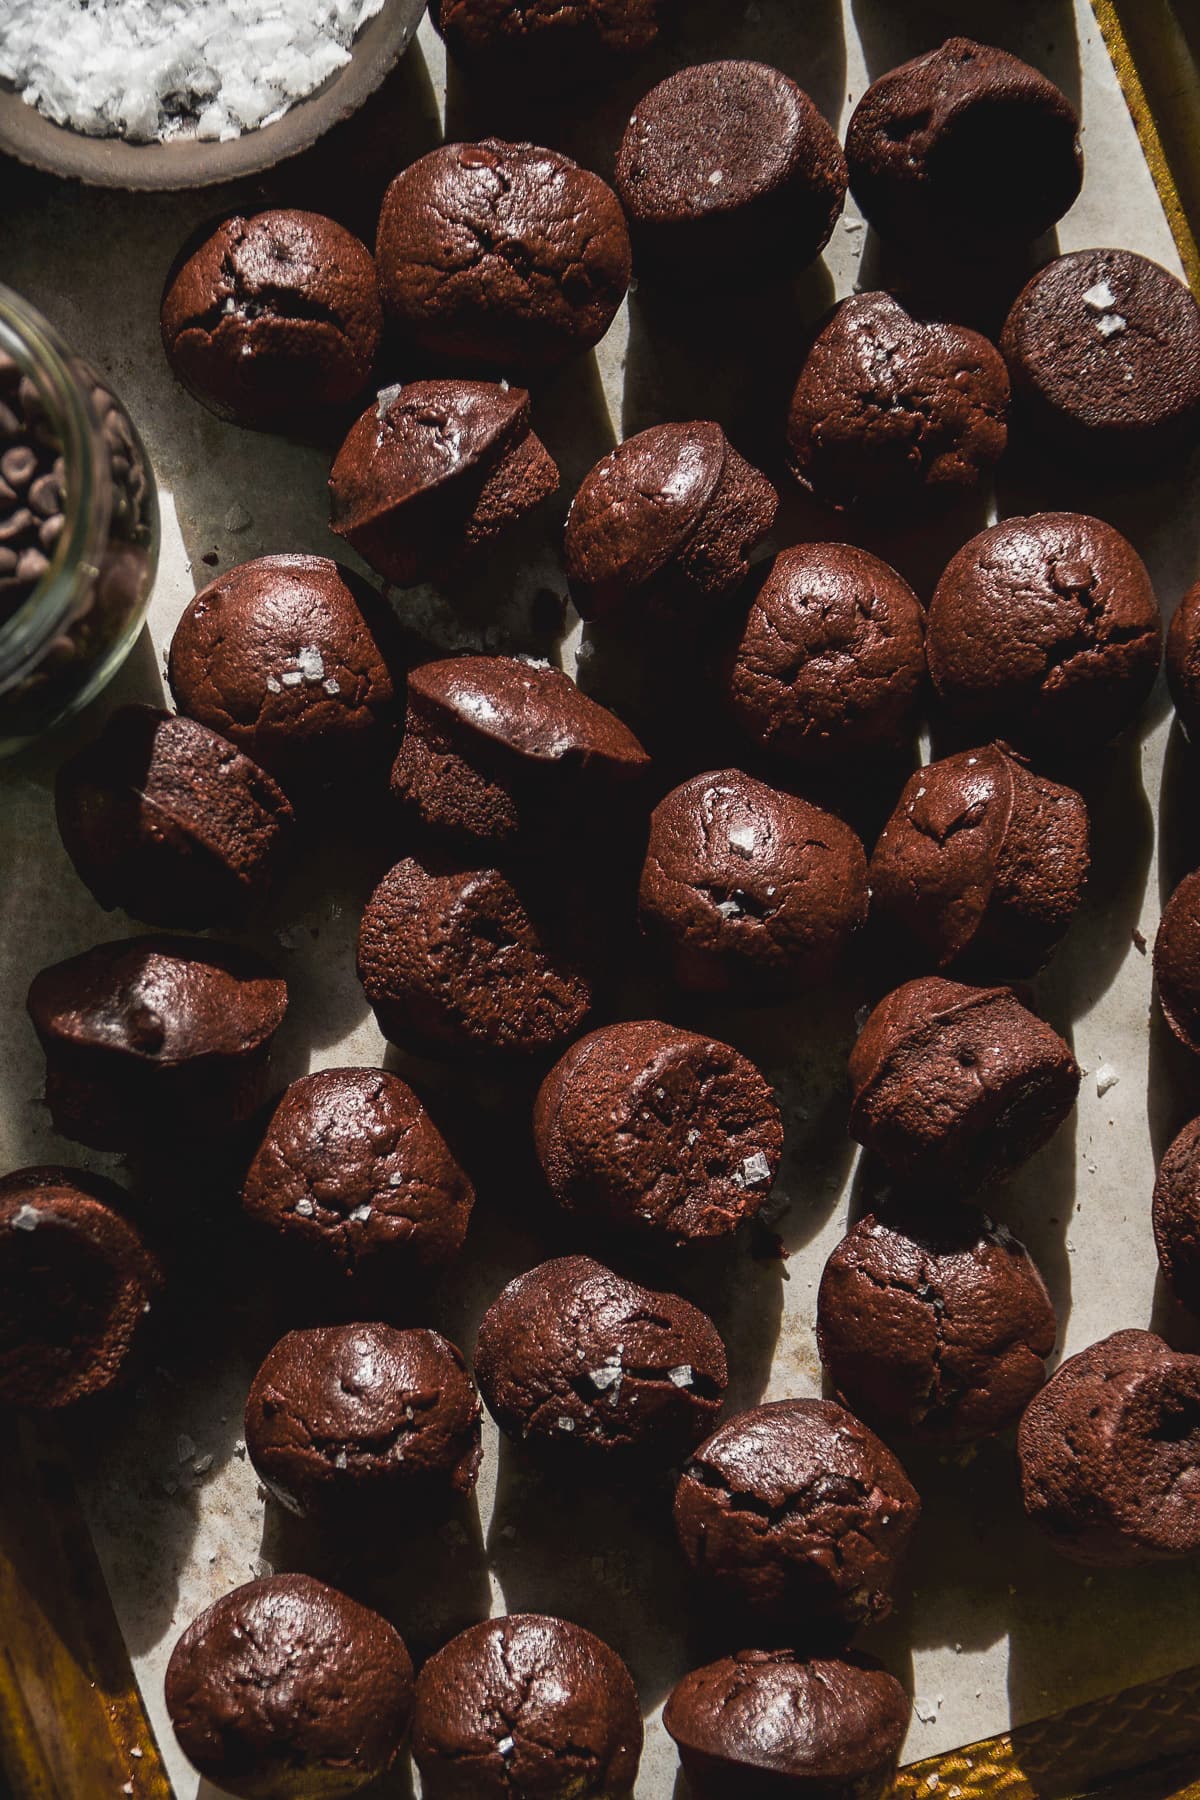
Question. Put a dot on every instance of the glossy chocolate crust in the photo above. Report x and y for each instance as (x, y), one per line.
(934, 1325)
(1110, 1453)
(956, 1085)
(729, 165)
(1103, 347)
(287, 657)
(665, 522)
(1183, 662)
(965, 144)
(890, 410)
(153, 1036)
(1177, 962)
(506, 257)
(1046, 631)
(665, 1133)
(748, 888)
(774, 1725)
(526, 1707)
(980, 867)
(795, 1512)
(1176, 1216)
(171, 822)
(830, 661)
(572, 1358)
(343, 1420)
(471, 961)
(77, 1287)
(537, 42)
(285, 1687)
(496, 748)
(275, 320)
(434, 473)
(353, 1173)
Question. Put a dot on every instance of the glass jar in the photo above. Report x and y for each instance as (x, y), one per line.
(78, 529)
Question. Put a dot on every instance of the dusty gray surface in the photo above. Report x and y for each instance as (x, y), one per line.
(989, 1625)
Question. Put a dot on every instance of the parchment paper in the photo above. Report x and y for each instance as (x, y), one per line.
(989, 1626)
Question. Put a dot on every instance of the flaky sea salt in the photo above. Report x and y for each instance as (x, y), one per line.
(310, 662)
(146, 69)
(1100, 297)
(25, 1218)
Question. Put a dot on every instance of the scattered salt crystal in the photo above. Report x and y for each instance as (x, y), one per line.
(506, 1746)
(26, 1218)
(742, 839)
(1110, 324)
(927, 1712)
(237, 518)
(681, 1376)
(756, 1169)
(136, 1754)
(693, 1138)
(291, 678)
(395, 1179)
(384, 398)
(203, 1464)
(360, 1214)
(729, 909)
(239, 1449)
(565, 1423)
(273, 686)
(1106, 1078)
(127, 1787)
(305, 1208)
(1100, 297)
(310, 662)
(862, 1014)
(609, 1374)
(339, 1461)
(332, 685)
(716, 178)
(185, 1447)
(931, 1781)
(852, 224)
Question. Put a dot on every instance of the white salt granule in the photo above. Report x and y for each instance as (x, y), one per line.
(1110, 324)
(310, 662)
(741, 839)
(273, 686)
(26, 1218)
(506, 1746)
(756, 1169)
(681, 1375)
(146, 69)
(291, 678)
(360, 1214)
(1106, 1077)
(332, 685)
(185, 1447)
(1100, 297)
(305, 1208)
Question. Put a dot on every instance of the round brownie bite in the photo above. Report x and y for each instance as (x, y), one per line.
(890, 410)
(1177, 962)
(275, 320)
(957, 1086)
(1046, 631)
(665, 523)
(1183, 662)
(166, 819)
(506, 257)
(1110, 1453)
(155, 1037)
(497, 749)
(797, 1514)
(574, 1358)
(981, 866)
(526, 1707)
(472, 961)
(729, 165)
(932, 1325)
(1176, 1216)
(770, 1724)
(661, 1132)
(355, 1176)
(350, 1420)
(286, 657)
(964, 146)
(543, 42)
(747, 888)
(77, 1285)
(285, 1686)
(435, 473)
(1103, 347)
(830, 660)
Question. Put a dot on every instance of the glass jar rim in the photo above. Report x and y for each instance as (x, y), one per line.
(37, 349)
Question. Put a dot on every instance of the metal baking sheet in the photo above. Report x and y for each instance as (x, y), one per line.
(989, 1626)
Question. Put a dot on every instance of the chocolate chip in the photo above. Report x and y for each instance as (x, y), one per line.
(44, 496)
(18, 465)
(16, 525)
(32, 565)
(8, 561)
(49, 533)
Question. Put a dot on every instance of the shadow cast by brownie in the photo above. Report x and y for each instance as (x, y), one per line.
(1173, 1322)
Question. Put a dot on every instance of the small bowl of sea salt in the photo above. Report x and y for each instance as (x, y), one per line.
(179, 93)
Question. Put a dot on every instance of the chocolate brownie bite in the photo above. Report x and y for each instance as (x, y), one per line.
(497, 749)
(505, 257)
(472, 961)
(1103, 347)
(1177, 962)
(830, 661)
(574, 1359)
(1110, 1453)
(774, 1725)
(77, 1286)
(747, 888)
(435, 473)
(274, 322)
(935, 1326)
(362, 1421)
(890, 410)
(155, 1037)
(1176, 1216)
(547, 41)
(1046, 631)
(1183, 662)
(526, 1707)
(285, 1686)
(729, 166)
(957, 1086)
(966, 147)
(981, 866)
(665, 523)
(796, 1514)
(288, 658)
(166, 819)
(354, 1176)
(661, 1132)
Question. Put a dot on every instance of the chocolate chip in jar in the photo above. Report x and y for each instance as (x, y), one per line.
(32, 488)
